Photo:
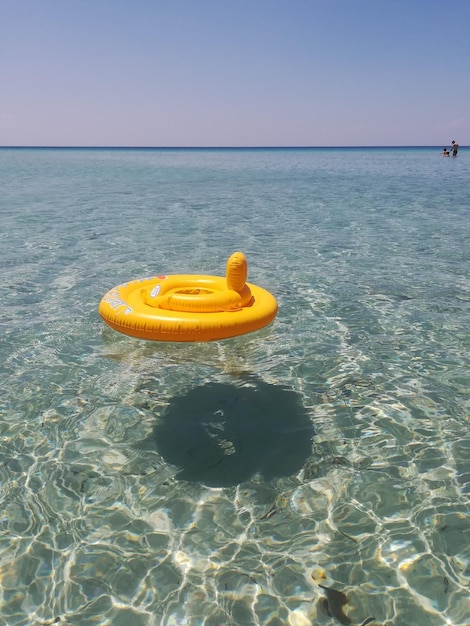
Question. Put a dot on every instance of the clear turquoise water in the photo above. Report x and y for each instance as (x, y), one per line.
(149, 483)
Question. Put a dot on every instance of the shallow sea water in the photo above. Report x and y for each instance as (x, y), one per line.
(148, 483)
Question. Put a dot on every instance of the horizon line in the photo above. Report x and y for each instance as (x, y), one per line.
(213, 147)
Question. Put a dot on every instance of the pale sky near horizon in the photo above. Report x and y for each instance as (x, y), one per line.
(234, 72)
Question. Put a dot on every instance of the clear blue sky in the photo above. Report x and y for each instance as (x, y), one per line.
(234, 72)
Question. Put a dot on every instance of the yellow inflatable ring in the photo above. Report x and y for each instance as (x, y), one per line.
(190, 307)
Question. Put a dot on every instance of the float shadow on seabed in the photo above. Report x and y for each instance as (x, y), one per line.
(222, 434)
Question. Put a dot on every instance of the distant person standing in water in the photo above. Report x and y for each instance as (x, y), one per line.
(455, 148)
